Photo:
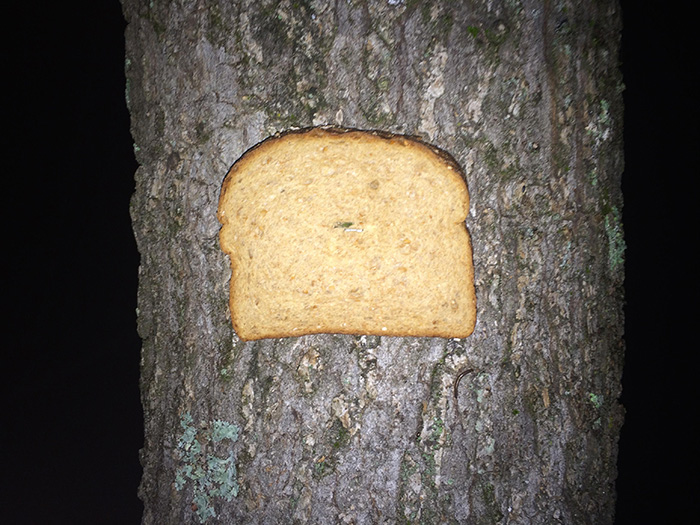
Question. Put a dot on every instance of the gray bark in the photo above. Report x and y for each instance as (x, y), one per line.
(517, 423)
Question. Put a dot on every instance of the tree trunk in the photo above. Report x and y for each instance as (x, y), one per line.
(517, 423)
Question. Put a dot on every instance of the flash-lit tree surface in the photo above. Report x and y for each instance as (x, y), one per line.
(517, 423)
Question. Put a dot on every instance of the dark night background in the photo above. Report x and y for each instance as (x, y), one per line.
(71, 426)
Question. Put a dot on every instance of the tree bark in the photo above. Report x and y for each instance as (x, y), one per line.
(517, 423)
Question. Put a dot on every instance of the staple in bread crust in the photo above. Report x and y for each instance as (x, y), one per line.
(346, 231)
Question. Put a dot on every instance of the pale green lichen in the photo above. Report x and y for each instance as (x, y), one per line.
(211, 475)
(596, 400)
(600, 127)
(616, 241)
(593, 177)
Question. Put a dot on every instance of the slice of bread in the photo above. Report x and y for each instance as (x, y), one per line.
(345, 231)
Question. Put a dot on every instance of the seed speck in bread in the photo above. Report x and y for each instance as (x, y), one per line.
(345, 231)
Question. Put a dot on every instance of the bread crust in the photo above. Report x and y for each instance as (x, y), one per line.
(338, 230)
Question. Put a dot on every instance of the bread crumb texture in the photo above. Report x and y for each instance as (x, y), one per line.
(346, 231)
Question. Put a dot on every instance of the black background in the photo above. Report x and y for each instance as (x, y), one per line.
(72, 425)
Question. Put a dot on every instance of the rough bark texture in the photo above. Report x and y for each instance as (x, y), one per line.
(517, 423)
